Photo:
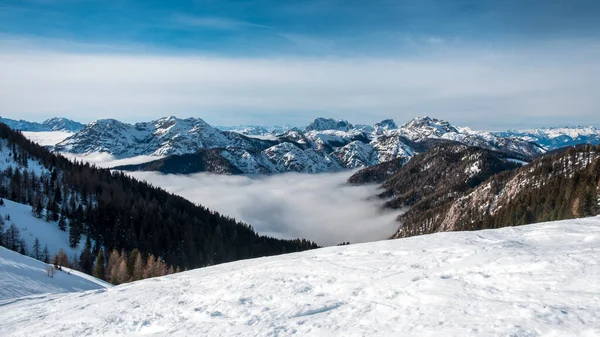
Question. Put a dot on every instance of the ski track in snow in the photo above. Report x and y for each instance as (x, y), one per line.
(537, 280)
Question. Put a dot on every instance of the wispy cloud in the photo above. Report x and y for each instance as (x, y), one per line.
(209, 22)
(551, 84)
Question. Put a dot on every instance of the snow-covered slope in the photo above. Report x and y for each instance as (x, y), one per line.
(553, 138)
(31, 228)
(24, 276)
(537, 280)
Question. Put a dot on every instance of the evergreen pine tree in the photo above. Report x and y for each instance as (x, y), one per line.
(36, 252)
(99, 267)
(74, 233)
(62, 223)
(1, 231)
(86, 259)
(12, 238)
(45, 255)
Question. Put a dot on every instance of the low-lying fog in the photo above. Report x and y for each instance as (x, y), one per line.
(318, 207)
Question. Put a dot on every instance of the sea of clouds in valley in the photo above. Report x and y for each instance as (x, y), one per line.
(319, 207)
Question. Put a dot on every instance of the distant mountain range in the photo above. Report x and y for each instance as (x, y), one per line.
(191, 145)
(52, 124)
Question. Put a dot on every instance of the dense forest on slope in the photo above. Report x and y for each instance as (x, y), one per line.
(562, 185)
(119, 212)
(205, 160)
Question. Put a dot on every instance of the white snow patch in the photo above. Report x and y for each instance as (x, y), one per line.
(31, 228)
(22, 276)
(537, 280)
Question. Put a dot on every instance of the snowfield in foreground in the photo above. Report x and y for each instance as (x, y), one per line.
(22, 276)
(537, 280)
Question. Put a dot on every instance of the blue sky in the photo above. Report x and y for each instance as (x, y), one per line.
(491, 64)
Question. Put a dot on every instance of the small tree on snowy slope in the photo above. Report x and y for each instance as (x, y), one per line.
(99, 267)
(12, 238)
(36, 253)
(1, 231)
(61, 259)
(45, 255)
(37, 209)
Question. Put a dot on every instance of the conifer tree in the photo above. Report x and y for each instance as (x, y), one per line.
(12, 238)
(1, 231)
(99, 266)
(36, 252)
(37, 209)
(111, 266)
(138, 268)
(86, 259)
(62, 223)
(74, 232)
(45, 255)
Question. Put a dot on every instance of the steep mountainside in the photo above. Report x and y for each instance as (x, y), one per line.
(537, 280)
(435, 177)
(553, 138)
(52, 124)
(553, 187)
(119, 212)
(325, 145)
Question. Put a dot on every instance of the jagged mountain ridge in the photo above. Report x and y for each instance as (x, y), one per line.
(553, 138)
(325, 145)
(52, 124)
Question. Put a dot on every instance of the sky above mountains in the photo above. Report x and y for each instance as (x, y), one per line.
(488, 64)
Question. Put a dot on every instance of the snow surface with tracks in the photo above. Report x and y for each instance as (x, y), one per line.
(23, 279)
(536, 280)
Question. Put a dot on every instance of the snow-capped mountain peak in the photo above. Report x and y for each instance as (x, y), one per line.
(427, 127)
(326, 144)
(384, 126)
(322, 124)
(52, 124)
(555, 137)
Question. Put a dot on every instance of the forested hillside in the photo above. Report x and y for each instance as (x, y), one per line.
(120, 213)
(560, 186)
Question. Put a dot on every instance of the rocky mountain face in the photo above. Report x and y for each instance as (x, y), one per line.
(325, 144)
(455, 187)
(553, 138)
(444, 172)
(52, 124)
(554, 187)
